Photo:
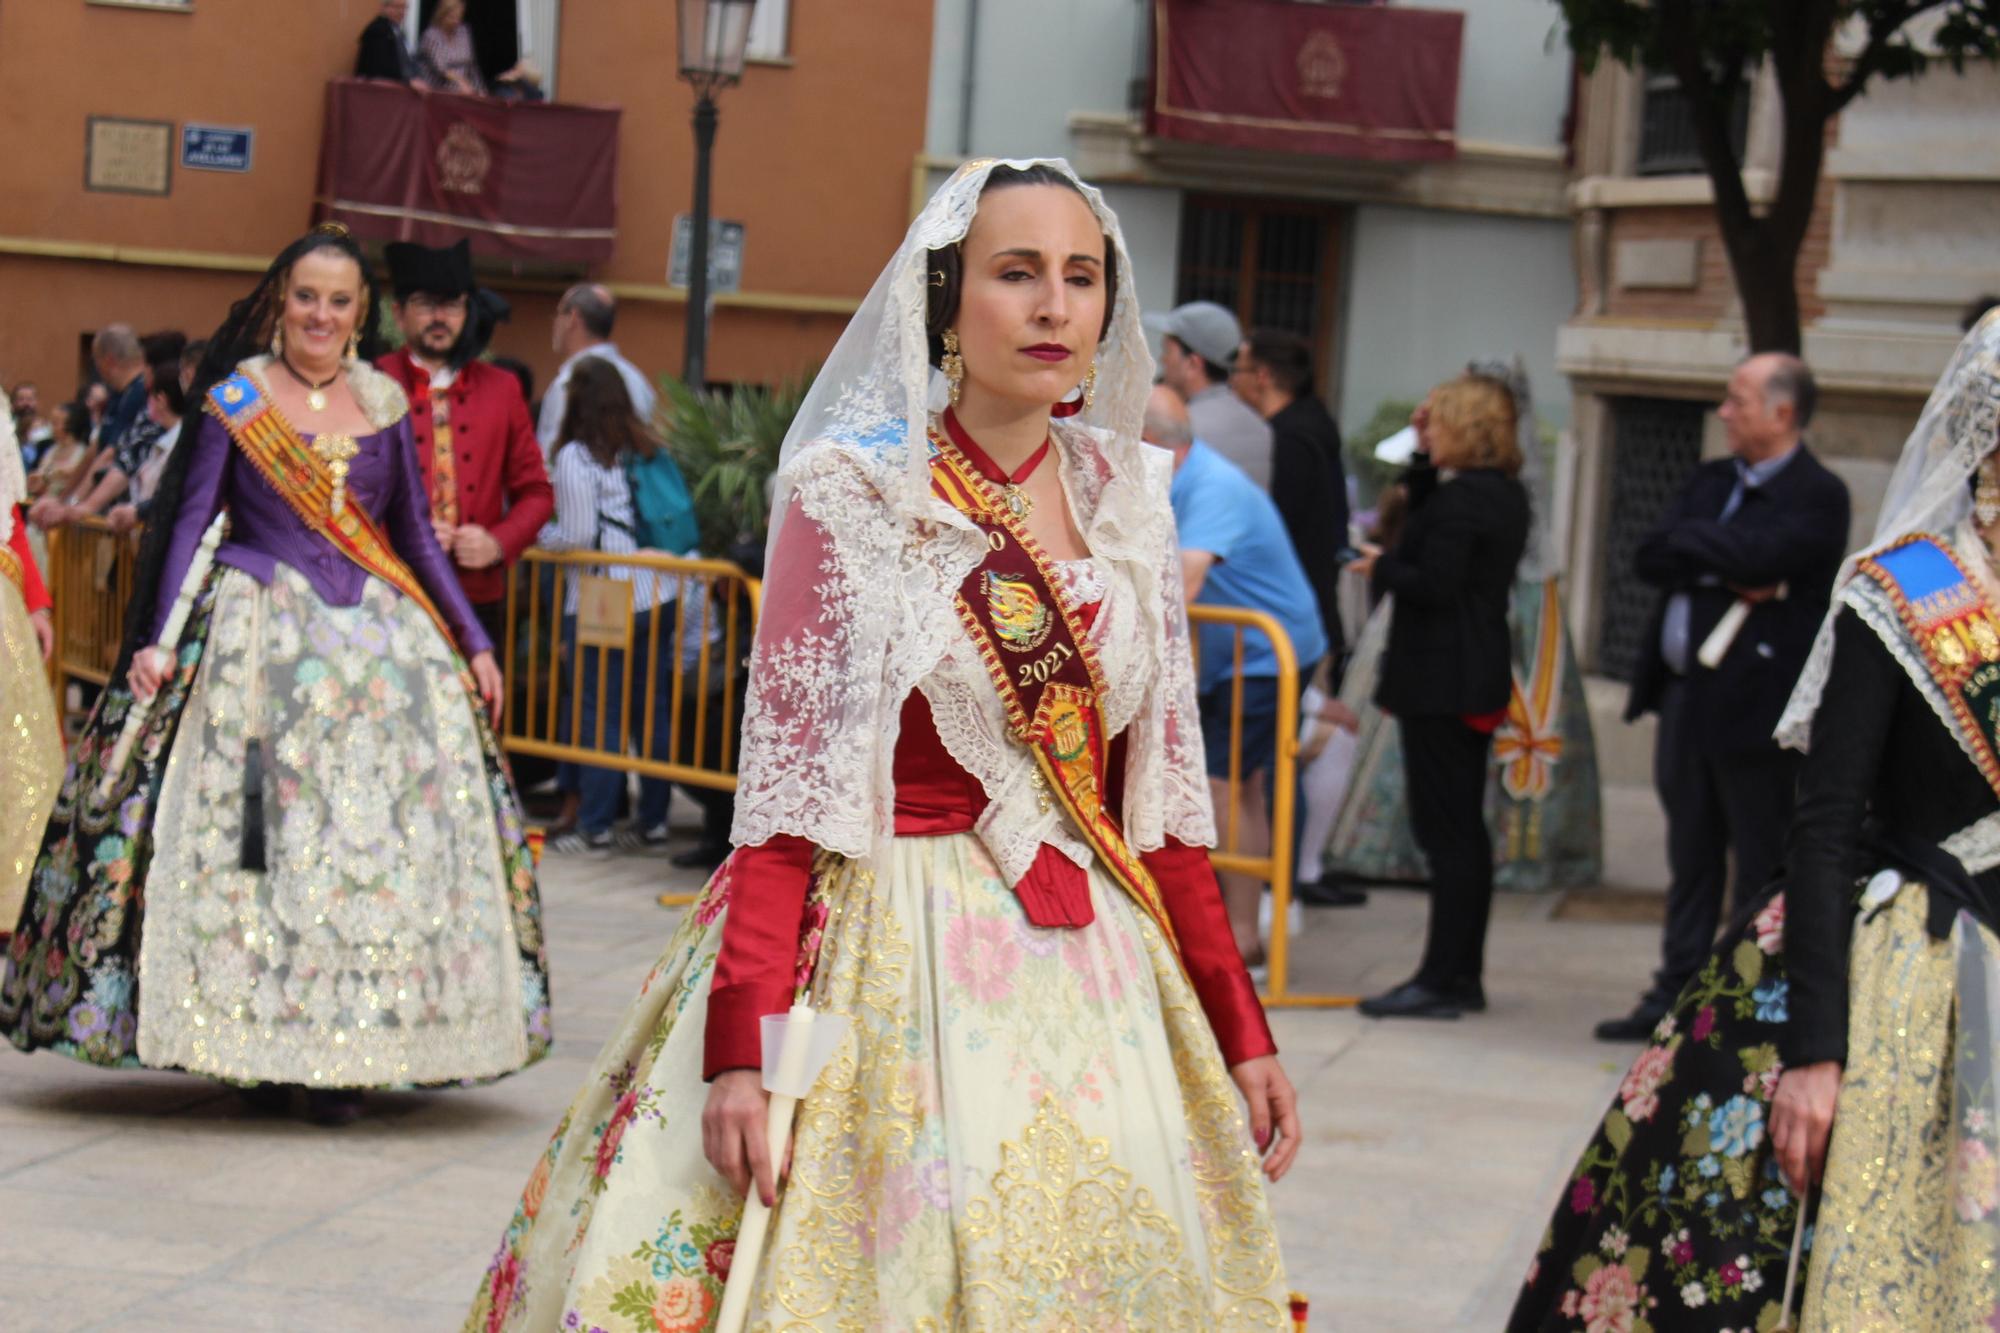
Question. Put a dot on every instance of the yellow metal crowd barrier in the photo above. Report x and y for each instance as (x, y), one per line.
(89, 580)
(683, 727)
(1274, 866)
(557, 603)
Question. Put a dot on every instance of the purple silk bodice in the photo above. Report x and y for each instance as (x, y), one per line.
(264, 532)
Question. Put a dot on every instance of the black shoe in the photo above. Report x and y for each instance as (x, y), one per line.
(707, 856)
(1329, 895)
(333, 1106)
(1471, 996)
(265, 1098)
(1635, 1026)
(1413, 999)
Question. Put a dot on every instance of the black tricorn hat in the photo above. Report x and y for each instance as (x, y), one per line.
(420, 268)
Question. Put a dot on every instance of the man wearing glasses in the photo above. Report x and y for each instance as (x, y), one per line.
(481, 462)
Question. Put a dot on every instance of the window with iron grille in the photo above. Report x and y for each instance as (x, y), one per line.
(1272, 264)
(1655, 448)
(1667, 144)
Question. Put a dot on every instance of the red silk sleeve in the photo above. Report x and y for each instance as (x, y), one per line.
(756, 970)
(1208, 948)
(33, 591)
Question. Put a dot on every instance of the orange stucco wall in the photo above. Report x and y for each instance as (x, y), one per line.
(814, 157)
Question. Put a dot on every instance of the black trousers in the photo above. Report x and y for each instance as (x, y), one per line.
(1444, 767)
(1736, 802)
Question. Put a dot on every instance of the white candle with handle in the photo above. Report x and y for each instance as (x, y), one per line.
(797, 1046)
(1716, 646)
(170, 637)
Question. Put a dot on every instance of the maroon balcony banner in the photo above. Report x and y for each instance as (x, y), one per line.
(522, 180)
(1289, 76)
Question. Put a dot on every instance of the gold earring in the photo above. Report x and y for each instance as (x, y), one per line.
(1986, 496)
(278, 340)
(354, 345)
(1090, 385)
(953, 365)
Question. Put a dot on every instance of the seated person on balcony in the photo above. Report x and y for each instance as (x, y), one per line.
(489, 493)
(1234, 552)
(166, 404)
(384, 53)
(582, 327)
(123, 436)
(445, 52)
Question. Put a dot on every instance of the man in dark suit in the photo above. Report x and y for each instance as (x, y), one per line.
(385, 53)
(1754, 542)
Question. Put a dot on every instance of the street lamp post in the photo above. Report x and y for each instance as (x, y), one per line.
(714, 35)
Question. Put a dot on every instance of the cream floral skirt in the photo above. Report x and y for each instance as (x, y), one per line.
(1908, 1234)
(1023, 1129)
(378, 946)
(31, 756)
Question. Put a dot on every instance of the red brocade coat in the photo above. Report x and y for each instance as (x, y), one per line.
(497, 479)
(754, 972)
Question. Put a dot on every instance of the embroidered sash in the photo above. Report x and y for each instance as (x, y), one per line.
(306, 482)
(1950, 622)
(11, 568)
(1044, 667)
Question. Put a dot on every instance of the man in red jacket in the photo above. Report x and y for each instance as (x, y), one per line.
(489, 490)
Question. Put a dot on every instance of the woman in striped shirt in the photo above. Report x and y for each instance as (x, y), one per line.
(594, 511)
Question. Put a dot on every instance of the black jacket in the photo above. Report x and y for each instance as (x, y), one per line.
(1881, 767)
(1449, 650)
(1309, 486)
(383, 54)
(1792, 530)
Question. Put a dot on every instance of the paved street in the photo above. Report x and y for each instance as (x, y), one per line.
(152, 1202)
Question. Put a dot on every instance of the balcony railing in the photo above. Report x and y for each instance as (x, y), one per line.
(533, 181)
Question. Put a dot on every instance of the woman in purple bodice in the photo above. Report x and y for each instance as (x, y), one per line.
(315, 828)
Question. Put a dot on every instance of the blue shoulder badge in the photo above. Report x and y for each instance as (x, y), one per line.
(236, 399)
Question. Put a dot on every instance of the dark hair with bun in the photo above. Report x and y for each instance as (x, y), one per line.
(946, 269)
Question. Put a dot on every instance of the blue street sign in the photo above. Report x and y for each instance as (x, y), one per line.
(216, 147)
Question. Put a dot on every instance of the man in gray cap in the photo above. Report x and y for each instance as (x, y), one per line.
(1198, 342)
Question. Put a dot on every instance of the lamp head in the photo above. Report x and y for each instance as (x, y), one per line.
(715, 35)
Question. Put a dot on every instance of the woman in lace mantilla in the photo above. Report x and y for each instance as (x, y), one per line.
(310, 870)
(971, 818)
(1839, 1046)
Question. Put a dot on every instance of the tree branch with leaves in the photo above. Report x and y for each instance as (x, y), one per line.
(1711, 46)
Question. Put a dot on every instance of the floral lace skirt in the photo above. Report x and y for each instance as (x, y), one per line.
(391, 937)
(1023, 1129)
(1676, 1221)
(31, 757)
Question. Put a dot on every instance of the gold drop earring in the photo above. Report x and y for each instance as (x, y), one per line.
(278, 340)
(354, 345)
(953, 365)
(1090, 385)
(1986, 496)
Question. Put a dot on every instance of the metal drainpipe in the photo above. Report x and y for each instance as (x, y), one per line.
(965, 78)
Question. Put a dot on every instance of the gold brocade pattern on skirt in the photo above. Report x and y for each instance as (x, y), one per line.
(31, 756)
(1024, 1129)
(1906, 1236)
(378, 947)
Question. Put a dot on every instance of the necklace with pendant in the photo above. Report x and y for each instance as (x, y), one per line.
(1019, 504)
(315, 393)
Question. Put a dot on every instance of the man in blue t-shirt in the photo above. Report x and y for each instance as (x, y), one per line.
(1235, 552)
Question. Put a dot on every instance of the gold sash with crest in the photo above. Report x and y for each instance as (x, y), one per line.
(1044, 667)
(308, 484)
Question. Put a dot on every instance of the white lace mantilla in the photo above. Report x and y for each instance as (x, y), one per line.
(860, 610)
